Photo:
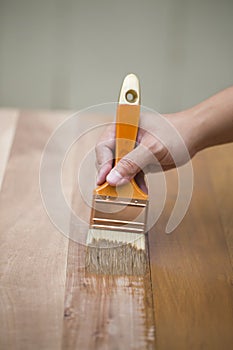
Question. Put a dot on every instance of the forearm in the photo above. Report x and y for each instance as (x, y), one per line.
(213, 120)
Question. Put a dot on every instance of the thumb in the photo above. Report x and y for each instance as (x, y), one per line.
(127, 168)
(123, 172)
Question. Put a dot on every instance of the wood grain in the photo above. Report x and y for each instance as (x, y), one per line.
(220, 165)
(33, 253)
(190, 304)
(104, 311)
(191, 271)
(8, 121)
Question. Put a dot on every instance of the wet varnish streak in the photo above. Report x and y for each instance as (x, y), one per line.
(106, 311)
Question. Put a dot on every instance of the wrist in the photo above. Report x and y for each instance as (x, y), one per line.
(198, 129)
(212, 120)
(189, 126)
(203, 123)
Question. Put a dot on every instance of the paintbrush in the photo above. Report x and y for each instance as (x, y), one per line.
(117, 240)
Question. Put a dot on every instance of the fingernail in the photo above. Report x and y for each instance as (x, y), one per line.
(114, 177)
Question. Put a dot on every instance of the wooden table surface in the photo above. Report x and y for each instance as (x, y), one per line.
(48, 302)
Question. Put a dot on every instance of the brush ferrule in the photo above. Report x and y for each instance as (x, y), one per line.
(119, 214)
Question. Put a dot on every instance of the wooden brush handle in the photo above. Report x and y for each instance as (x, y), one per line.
(127, 121)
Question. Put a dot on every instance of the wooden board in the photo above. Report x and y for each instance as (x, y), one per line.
(106, 312)
(102, 312)
(33, 253)
(191, 268)
(220, 167)
(191, 305)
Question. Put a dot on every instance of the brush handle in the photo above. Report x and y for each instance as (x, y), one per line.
(127, 121)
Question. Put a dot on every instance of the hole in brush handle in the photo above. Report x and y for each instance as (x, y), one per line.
(131, 96)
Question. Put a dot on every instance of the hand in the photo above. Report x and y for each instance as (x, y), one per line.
(163, 142)
(169, 140)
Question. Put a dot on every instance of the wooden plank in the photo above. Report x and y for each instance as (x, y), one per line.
(8, 121)
(191, 272)
(191, 268)
(104, 312)
(219, 160)
(33, 253)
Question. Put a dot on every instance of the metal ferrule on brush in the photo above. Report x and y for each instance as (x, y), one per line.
(119, 214)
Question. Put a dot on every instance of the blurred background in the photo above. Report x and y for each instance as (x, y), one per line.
(70, 54)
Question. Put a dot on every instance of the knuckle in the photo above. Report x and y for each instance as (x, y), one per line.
(155, 146)
(128, 166)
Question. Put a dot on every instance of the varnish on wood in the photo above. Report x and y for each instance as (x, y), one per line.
(106, 311)
(117, 239)
(191, 270)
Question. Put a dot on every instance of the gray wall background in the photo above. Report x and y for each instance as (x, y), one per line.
(74, 53)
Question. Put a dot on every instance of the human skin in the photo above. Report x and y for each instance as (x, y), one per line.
(207, 124)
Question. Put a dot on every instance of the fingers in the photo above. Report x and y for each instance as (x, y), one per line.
(151, 155)
(123, 172)
(104, 170)
(104, 154)
(129, 166)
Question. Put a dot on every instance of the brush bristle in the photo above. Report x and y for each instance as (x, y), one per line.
(119, 237)
(116, 252)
